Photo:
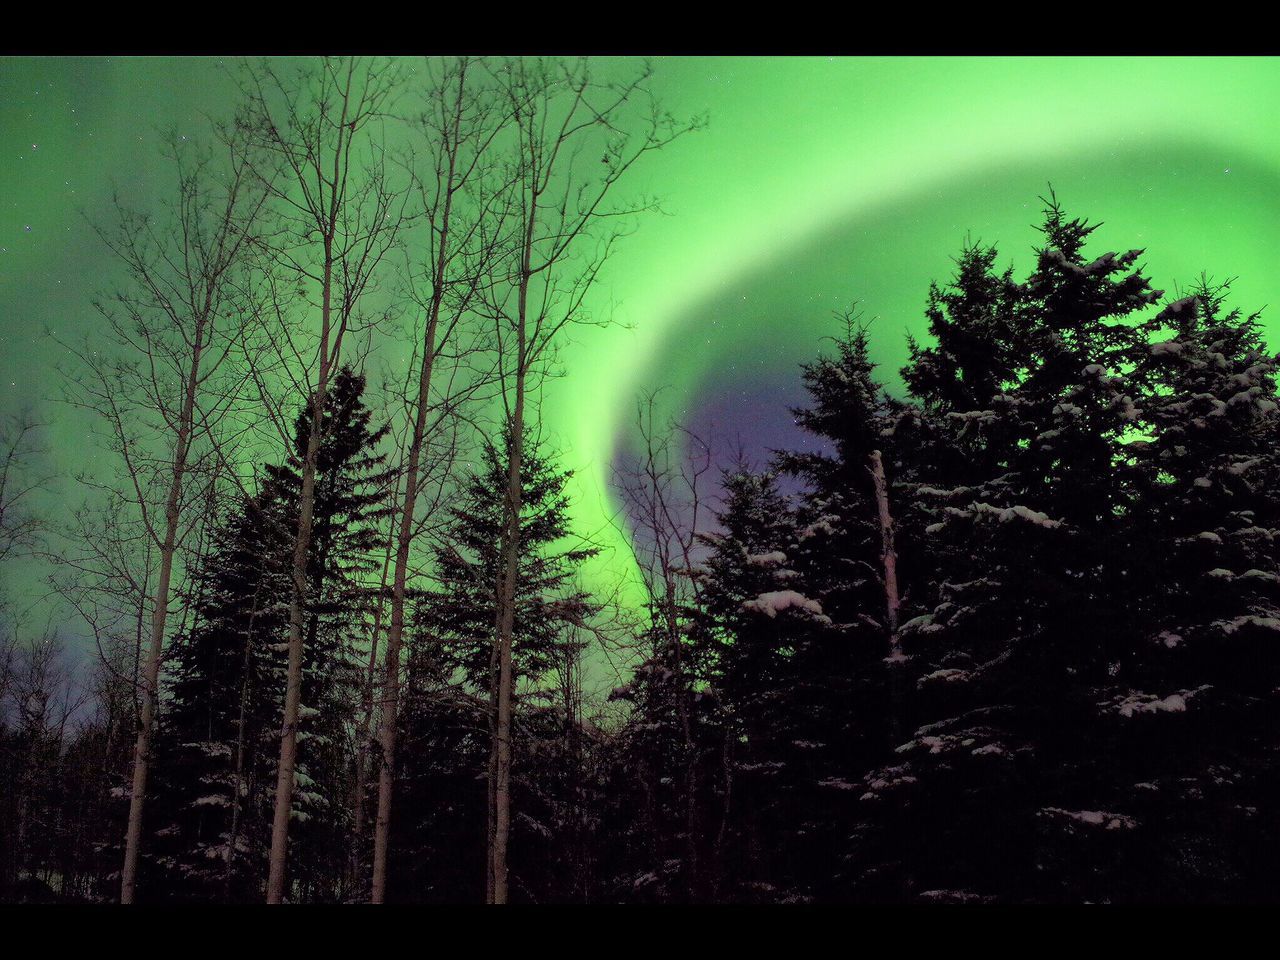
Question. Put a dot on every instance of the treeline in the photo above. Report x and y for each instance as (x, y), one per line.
(1010, 636)
(440, 222)
(1015, 639)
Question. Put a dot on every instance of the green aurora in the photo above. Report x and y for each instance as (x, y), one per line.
(820, 182)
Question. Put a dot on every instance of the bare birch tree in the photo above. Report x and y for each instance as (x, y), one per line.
(340, 215)
(662, 488)
(104, 572)
(163, 372)
(574, 138)
(459, 124)
(43, 697)
(20, 525)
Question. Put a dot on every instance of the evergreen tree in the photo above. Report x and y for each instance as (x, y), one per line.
(439, 833)
(757, 628)
(350, 496)
(457, 617)
(846, 692)
(223, 726)
(216, 737)
(668, 784)
(995, 793)
(805, 664)
(1193, 723)
(444, 717)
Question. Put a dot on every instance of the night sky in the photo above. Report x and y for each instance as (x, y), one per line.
(820, 182)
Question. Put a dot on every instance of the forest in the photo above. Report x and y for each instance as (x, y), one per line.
(1005, 635)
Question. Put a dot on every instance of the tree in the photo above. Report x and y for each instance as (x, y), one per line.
(1192, 722)
(457, 613)
(459, 125)
(165, 373)
(662, 489)
(553, 209)
(340, 216)
(1024, 511)
(857, 557)
(223, 706)
(752, 623)
(20, 528)
(451, 648)
(352, 479)
(224, 703)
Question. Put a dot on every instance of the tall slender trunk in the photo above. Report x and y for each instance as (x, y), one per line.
(301, 549)
(491, 779)
(507, 592)
(395, 634)
(159, 618)
(237, 779)
(139, 634)
(573, 750)
(404, 540)
(889, 556)
(726, 810)
(889, 553)
(506, 629)
(683, 710)
(366, 716)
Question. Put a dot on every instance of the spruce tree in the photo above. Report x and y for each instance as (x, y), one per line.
(457, 616)
(755, 627)
(1194, 719)
(444, 720)
(222, 730)
(996, 794)
(806, 664)
(846, 694)
(217, 735)
(350, 496)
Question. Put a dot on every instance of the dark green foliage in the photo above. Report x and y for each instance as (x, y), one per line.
(440, 826)
(1084, 488)
(458, 616)
(220, 737)
(216, 748)
(1077, 699)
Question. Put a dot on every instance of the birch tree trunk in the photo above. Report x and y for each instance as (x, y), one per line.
(889, 556)
(237, 778)
(345, 211)
(182, 319)
(297, 605)
(395, 633)
(367, 695)
(155, 648)
(506, 617)
(459, 125)
(561, 114)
